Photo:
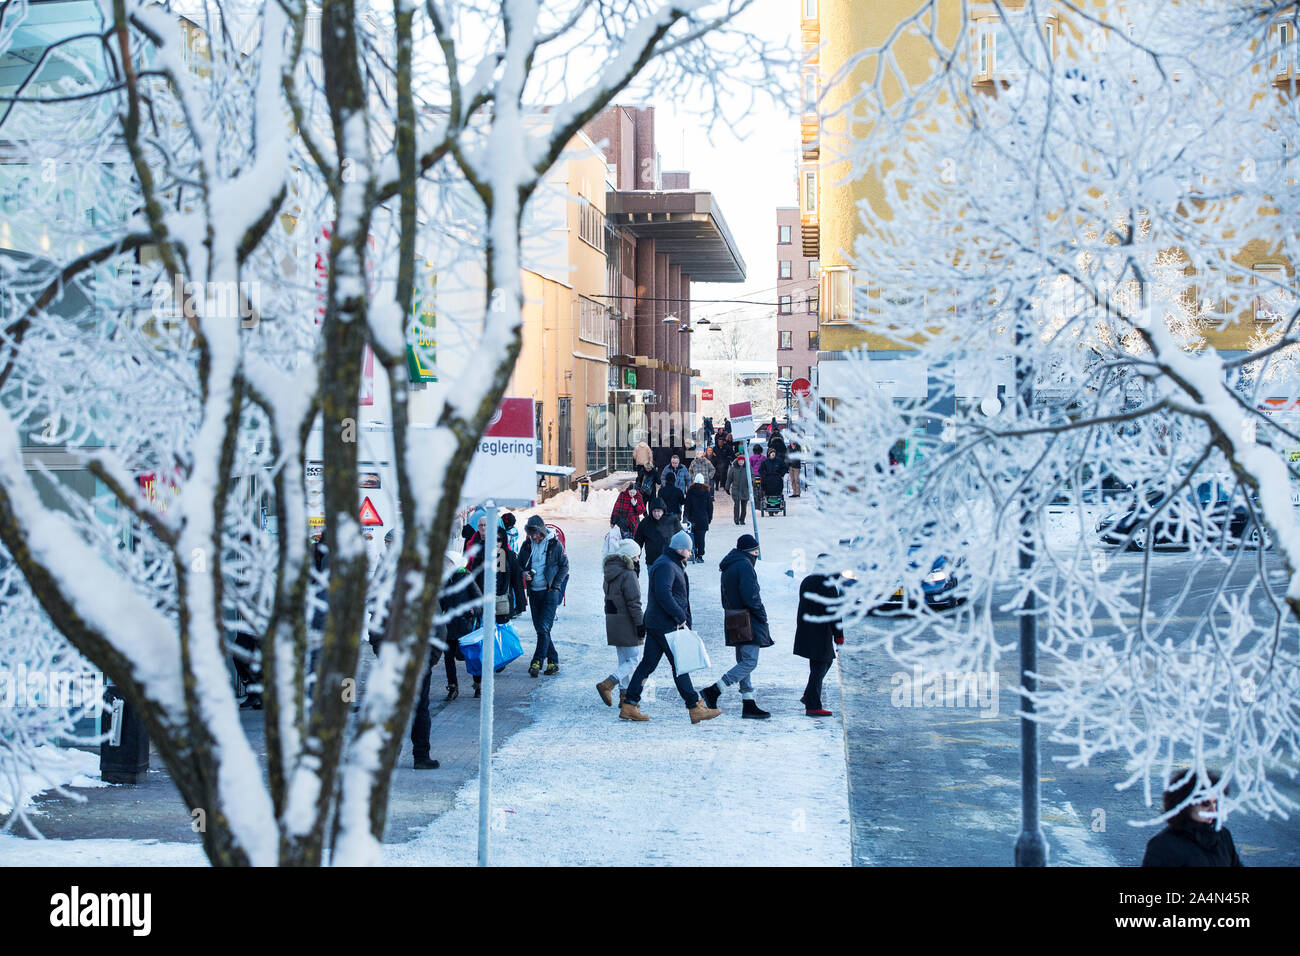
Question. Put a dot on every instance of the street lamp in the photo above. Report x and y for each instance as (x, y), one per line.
(671, 318)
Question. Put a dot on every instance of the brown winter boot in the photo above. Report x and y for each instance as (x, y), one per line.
(630, 712)
(622, 696)
(606, 690)
(701, 712)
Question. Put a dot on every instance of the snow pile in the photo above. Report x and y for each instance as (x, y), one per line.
(569, 504)
(55, 768)
(616, 481)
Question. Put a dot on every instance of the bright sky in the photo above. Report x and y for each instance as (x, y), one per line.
(750, 170)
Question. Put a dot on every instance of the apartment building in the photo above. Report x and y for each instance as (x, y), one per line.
(796, 295)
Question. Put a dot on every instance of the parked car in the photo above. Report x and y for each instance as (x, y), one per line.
(1207, 515)
(938, 584)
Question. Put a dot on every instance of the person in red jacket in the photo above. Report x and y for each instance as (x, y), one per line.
(629, 509)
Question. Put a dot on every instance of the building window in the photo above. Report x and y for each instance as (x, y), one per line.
(783, 235)
(591, 226)
(593, 323)
(810, 9)
(812, 341)
(814, 268)
(785, 307)
(810, 92)
(786, 340)
(812, 304)
(786, 271)
(1273, 300)
(810, 192)
(786, 372)
(837, 293)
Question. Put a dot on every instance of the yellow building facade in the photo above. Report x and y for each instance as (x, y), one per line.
(563, 363)
(833, 33)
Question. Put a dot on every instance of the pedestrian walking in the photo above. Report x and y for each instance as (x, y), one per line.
(699, 513)
(776, 442)
(1191, 837)
(816, 639)
(756, 459)
(739, 488)
(656, 531)
(794, 461)
(672, 497)
(508, 521)
(647, 476)
(422, 721)
(624, 619)
(629, 509)
(771, 474)
(675, 473)
(702, 464)
(668, 607)
(460, 598)
(546, 571)
(745, 621)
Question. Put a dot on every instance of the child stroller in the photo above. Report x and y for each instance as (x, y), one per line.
(769, 496)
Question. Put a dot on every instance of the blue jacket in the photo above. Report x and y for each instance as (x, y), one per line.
(669, 602)
(679, 476)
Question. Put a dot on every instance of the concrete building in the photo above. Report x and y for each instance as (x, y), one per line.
(796, 296)
(663, 235)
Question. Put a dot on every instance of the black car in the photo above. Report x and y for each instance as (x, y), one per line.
(1208, 515)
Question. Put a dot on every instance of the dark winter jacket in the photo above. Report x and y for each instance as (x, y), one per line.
(738, 482)
(673, 498)
(669, 603)
(678, 476)
(557, 562)
(510, 580)
(1193, 844)
(647, 479)
(740, 593)
(699, 507)
(623, 615)
(655, 535)
(815, 640)
(770, 474)
(777, 444)
(461, 598)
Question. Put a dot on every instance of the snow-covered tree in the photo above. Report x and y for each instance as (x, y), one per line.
(1075, 228)
(239, 203)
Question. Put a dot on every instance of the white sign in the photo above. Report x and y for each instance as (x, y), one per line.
(504, 468)
(741, 415)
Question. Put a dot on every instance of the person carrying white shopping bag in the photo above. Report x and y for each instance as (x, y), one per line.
(668, 608)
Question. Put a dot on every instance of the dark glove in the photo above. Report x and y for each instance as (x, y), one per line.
(640, 631)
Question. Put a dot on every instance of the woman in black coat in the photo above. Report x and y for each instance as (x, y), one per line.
(772, 473)
(699, 512)
(816, 639)
(1191, 838)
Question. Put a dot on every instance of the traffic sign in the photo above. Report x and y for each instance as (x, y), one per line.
(801, 387)
(742, 420)
(369, 514)
(706, 394)
(504, 467)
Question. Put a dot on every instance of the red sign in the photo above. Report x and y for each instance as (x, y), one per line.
(801, 388)
(740, 410)
(512, 419)
(706, 394)
(369, 516)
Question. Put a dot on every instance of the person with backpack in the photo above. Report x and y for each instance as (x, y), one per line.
(624, 619)
(745, 621)
(656, 531)
(668, 608)
(699, 513)
(546, 571)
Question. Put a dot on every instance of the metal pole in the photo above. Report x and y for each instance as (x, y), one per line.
(1031, 846)
(753, 498)
(487, 681)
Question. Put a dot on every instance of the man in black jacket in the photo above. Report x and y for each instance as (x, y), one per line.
(816, 639)
(655, 531)
(1191, 839)
(740, 594)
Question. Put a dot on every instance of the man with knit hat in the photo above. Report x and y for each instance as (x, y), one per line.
(668, 607)
(746, 625)
(546, 572)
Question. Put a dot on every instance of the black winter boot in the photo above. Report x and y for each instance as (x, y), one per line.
(711, 695)
(750, 709)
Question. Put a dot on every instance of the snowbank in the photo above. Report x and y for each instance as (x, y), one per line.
(569, 504)
(55, 767)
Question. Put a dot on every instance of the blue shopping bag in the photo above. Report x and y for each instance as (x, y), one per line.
(506, 650)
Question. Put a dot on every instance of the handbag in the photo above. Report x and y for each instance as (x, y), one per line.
(739, 627)
(689, 653)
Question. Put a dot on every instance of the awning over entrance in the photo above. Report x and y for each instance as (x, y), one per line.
(686, 225)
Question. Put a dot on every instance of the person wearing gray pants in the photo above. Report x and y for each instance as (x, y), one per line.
(746, 625)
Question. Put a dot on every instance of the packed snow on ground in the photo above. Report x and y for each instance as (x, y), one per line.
(17, 851)
(581, 787)
(55, 767)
